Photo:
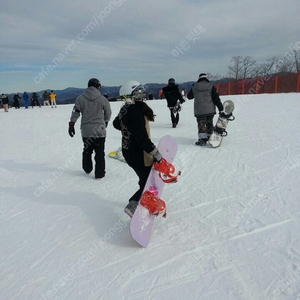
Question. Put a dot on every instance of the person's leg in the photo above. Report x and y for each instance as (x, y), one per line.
(143, 174)
(177, 118)
(202, 135)
(99, 146)
(88, 147)
(173, 118)
(209, 125)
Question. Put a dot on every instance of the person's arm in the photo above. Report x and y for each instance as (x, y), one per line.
(107, 111)
(190, 94)
(216, 99)
(76, 111)
(180, 96)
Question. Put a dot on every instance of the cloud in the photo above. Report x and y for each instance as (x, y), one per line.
(130, 39)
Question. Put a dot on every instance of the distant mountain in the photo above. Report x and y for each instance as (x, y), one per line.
(69, 95)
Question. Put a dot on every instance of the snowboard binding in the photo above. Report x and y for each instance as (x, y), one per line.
(166, 171)
(221, 131)
(154, 204)
(228, 117)
(177, 108)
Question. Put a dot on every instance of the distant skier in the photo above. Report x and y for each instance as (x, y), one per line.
(172, 95)
(137, 147)
(46, 98)
(52, 97)
(35, 100)
(16, 103)
(206, 100)
(95, 113)
(25, 97)
(5, 102)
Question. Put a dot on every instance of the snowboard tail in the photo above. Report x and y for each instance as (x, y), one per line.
(117, 155)
(142, 220)
(219, 132)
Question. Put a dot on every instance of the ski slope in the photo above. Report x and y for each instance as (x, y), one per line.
(232, 228)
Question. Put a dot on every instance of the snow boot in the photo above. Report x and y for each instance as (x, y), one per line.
(201, 142)
(130, 208)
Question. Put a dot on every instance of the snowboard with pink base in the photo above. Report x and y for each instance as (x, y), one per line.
(142, 221)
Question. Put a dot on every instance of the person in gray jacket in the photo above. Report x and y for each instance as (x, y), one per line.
(206, 99)
(95, 113)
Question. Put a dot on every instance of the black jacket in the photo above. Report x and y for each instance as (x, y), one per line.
(135, 140)
(5, 99)
(172, 94)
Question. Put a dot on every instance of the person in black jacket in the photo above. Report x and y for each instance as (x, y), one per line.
(35, 100)
(5, 102)
(16, 103)
(137, 147)
(206, 99)
(172, 95)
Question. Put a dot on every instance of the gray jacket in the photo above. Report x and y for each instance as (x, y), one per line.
(95, 110)
(203, 103)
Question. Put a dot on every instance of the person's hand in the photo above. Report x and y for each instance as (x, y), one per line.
(156, 154)
(71, 129)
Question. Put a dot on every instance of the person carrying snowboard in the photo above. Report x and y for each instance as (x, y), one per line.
(137, 147)
(172, 96)
(206, 99)
(95, 113)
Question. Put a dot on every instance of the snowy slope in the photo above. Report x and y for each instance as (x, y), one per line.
(232, 230)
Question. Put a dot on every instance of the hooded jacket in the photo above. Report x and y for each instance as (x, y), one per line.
(95, 113)
(206, 98)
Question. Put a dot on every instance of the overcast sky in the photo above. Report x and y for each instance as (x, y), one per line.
(60, 44)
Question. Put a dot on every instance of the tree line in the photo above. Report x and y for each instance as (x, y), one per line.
(242, 67)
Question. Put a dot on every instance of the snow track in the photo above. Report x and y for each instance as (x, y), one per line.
(232, 226)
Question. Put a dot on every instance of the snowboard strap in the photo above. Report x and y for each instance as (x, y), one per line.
(155, 205)
(221, 131)
(228, 117)
(166, 171)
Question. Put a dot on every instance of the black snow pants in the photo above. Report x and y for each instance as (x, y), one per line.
(142, 173)
(94, 144)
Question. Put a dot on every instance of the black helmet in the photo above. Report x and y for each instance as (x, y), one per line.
(171, 81)
(95, 83)
(139, 92)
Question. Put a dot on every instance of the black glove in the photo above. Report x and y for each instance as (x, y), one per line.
(71, 129)
(106, 123)
(156, 154)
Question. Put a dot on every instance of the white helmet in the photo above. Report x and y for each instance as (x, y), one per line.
(128, 87)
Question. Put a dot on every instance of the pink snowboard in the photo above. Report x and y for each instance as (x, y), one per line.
(142, 222)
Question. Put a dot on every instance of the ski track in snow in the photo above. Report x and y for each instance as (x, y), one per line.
(232, 226)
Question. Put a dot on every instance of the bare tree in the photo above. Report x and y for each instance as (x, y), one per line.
(282, 64)
(248, 66)
(235, 70)
(296, 56)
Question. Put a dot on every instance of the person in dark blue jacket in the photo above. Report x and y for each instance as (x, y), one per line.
(25, 97)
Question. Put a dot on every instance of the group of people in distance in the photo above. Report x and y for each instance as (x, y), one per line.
(49, 99)
(133, 122)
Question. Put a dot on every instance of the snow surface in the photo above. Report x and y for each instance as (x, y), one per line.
(232, 226)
